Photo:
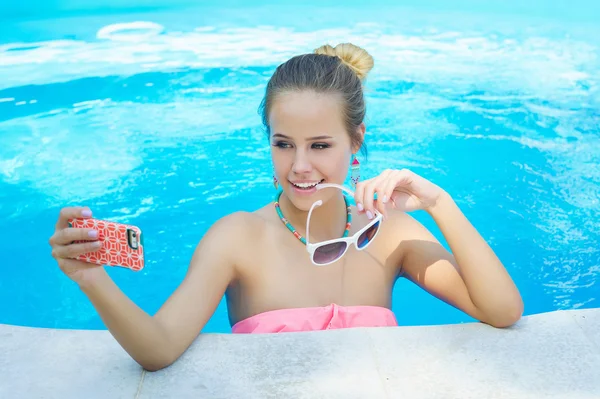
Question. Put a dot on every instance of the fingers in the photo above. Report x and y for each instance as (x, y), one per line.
(358, 196)
(388, 190)
(73, 250)
(368, 198)
(70, 234)
(71, 213)
(365, 201)
(384, 187)
(397, 179)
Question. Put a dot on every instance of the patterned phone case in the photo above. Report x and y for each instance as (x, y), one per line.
(122, 244)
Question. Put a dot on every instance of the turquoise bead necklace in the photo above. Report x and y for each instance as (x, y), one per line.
(293, 230)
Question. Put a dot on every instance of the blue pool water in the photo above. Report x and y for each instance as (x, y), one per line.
(148, 114)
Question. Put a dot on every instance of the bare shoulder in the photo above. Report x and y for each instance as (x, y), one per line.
(265, 214)
(233, 231)
(400, 226)
(403, 236)
(237, 222)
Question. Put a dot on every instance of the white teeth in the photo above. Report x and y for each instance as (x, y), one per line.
(306, 185)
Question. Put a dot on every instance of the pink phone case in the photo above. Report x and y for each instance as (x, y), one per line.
(122, 244)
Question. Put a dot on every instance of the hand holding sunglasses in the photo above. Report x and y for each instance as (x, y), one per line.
(326, 252)
(403, 189)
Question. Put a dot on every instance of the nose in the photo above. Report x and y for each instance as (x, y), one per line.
(302, 164)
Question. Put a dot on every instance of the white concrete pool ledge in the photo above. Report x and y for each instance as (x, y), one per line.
(550, 355)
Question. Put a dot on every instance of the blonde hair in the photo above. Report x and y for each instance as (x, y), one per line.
(352, 56)
(339, 70)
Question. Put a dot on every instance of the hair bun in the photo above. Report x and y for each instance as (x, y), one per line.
(353, 56)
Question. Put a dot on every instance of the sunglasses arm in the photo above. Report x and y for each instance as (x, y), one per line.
(333, 185)
(318, 203)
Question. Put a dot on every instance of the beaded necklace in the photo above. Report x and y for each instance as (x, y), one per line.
(293, 230)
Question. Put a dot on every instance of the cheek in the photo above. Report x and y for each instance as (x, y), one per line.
(281, 161)
(334, 165)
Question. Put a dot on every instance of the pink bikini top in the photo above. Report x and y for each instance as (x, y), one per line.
(316, 318)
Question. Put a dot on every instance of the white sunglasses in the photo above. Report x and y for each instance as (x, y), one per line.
(327, 252)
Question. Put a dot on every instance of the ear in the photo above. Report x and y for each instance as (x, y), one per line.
(361, 130)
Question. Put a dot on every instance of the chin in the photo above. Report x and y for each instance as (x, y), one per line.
(302, 202)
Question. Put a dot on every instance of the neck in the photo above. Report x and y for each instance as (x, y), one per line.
(328, 221)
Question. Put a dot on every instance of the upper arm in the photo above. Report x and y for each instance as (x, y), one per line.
(427, 263)
(211, 270)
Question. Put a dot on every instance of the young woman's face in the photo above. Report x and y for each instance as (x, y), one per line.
(309, 144)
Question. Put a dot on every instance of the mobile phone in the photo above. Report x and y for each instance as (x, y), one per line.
(122, 244)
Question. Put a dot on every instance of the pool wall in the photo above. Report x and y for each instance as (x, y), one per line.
(550, 355)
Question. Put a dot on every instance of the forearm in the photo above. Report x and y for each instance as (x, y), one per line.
(137, 332)
(490, 286)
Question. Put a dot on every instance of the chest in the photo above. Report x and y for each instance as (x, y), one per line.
(280, 274)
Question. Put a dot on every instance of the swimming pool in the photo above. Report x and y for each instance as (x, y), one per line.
(148, 115)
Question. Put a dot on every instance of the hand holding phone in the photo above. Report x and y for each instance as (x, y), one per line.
(121, 244)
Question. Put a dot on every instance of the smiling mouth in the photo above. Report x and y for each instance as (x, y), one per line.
(307, 186)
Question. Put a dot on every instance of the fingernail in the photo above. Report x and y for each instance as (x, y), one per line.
(86, 213)
(385, 199)
(97, 244)
(369, 215)
(93, 234)
(359, 206)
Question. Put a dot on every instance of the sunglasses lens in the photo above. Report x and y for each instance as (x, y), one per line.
(329, 253)
(365, 238)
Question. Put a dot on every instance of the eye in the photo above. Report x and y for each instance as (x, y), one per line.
(320, 146)
(282, 144)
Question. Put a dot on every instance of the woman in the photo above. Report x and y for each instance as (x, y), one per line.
(313, 111)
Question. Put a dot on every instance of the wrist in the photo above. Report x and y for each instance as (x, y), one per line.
(444, 201)
(96, 279)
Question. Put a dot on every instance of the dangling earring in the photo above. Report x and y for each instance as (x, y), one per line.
(275, 183)
(355, 172)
